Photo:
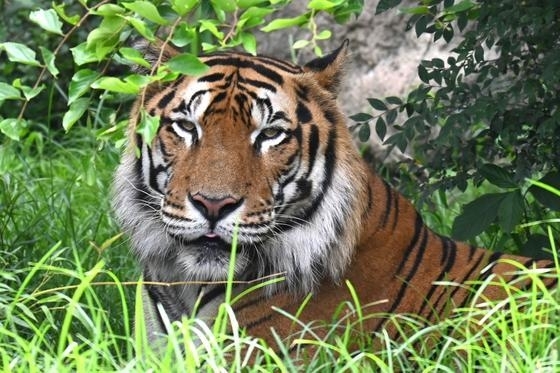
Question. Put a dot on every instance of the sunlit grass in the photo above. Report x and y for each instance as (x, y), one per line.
(69, 292)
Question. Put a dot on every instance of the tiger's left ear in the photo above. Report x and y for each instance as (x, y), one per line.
(328, 70)
(154, 53)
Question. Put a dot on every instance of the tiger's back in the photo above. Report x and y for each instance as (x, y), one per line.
(257, 148)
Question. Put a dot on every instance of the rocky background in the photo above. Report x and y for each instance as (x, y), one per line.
(384, 55)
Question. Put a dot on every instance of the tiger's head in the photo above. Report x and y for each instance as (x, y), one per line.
(256, 148)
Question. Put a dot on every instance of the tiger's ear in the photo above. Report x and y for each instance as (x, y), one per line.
(154, 53)
(328, 70)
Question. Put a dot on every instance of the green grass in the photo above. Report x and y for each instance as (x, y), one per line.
(68, 289)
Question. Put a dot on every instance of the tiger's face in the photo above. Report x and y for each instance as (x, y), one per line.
(247, 150)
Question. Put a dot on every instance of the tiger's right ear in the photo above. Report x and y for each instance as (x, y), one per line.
(155, 53)
(328, 70)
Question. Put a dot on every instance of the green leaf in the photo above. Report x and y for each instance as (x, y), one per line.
(254, 16)
(423, 74)
(282, 23)
(249, 42)
(243, 4)
(82, 54)
(140, 26)
(477, 216)
(384, 5)
(398, 140)
(106, 10)
(80, 84)
(394, 100)
(20, 53)
(13, 128)
(300, 44)
(535, 247)
(187, 64)
(381, 128)
(323, 35)
(227, 6)
(48, 57)
(546, 197)
(510, 211)
(391, 116)
(182, 7)
(460, 7)
(479, 54)
(112, 84)
(321, 4)
(416, 10)
(7, 92)
(47, 20)
(134, 56)
(364, 132)
(361, 117)
(212, 27)
(28, 91)
(497, 176)
(377, 104)
(59, 8)
(147, 10)
(147, 127)
(75, 112)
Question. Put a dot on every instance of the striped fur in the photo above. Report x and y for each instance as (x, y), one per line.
(261, 143)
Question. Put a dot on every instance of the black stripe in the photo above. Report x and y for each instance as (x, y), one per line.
(194, 97)
(259, 84)
(251, 302)
(280, 64)
(155, 300)
(465, 278)
(313, 144)
(449, 248)
(388, 203)
(396, 211)
(210, 78)
(472, 250)
(491, 264)
(303, 114)
(211, 295)
(369, 205)
(331, 116)
(162, 295)
(330, 161)
(419, 228)
(302, 92)
(259, 321)
(243, 63)
(166, 99)
(529, 262)
(218, 98)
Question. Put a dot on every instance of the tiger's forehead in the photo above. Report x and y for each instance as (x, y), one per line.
(246, 88)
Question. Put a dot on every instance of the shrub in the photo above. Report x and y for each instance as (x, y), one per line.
(489, 112)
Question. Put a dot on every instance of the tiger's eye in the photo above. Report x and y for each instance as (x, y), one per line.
(271, 132)
(187, 125)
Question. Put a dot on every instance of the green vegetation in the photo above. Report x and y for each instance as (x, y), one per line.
(488, 112)
(67, 281)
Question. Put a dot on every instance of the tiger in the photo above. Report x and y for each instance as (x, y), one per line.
(256, 153)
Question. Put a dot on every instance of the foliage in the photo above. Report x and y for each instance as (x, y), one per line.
(490, 112)
(69, 328)
(78, 54)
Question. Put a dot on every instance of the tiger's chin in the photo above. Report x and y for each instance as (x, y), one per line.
(208, 259)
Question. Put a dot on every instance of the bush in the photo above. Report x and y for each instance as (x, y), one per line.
(489, 112)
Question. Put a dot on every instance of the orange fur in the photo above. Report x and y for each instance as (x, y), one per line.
(214, 163)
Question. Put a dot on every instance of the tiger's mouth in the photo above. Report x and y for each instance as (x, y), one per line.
(213, 244)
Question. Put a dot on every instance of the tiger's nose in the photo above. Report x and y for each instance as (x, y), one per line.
(214, 209)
